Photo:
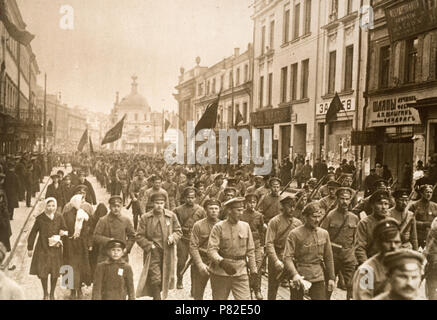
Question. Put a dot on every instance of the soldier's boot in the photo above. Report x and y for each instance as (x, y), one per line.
(179, 284)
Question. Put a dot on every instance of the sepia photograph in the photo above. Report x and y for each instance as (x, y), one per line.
(221, 150)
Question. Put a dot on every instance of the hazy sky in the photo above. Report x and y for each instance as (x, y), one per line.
(113, 39)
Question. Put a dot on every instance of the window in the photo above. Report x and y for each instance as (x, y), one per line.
(213, 85)
(231, 80)
(263, 39)
(334, 10)
(261, 92)
(305, 75)
(246, 73)
(286, 33)
(222, 81)
(230, 116)
(293, 81)
(307, 23)
(384, 66)
(272, 34)
(296, 21)
(411, 59)
(348, 70)
(284, 72)
(237, 81)
(245, 112)
(331, 75)
(270, 90)
(237, 109)
(349, 6)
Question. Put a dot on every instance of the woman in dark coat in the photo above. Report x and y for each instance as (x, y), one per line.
(78, 243)
(47, 258)
(100, 212)
(55, 190)
(5, 225)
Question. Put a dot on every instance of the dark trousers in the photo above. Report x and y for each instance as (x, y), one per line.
(183, 251)
(136, 212)
(11, 212)
(28, 188)
(198, 283)
(347, 269)
(272, 283)
(154, 277)
(316, 292)
(431, 282)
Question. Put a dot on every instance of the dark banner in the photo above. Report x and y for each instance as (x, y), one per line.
(271, 116)
(409, 18)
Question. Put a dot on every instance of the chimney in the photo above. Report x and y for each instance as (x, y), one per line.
(236, 52)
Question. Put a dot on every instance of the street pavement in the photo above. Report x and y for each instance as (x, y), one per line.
(32, 286)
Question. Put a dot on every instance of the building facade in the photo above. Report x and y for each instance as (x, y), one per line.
(402, 83)
(20, 120)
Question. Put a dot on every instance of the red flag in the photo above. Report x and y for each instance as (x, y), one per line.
(115, 133)
(83, 141)
(335, 107)
(22, 36)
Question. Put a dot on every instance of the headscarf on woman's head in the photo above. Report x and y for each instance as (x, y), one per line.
(76, 201)
(51, 199)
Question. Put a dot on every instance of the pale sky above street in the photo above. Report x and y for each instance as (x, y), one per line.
(113, 39)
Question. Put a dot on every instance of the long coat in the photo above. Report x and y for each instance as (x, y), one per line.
(76, 250)
(169, 226)
(56, 193)
(5, 225)
(46, 260)
(11, 186)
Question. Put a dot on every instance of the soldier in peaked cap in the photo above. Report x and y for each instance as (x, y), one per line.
(341, 225)
(308, 255)
(145, 196)
(366, 204)
(328, 203)
(232, 253)
(229, 193)
(425, 211)
(277, 232)
(259, 182)
(387, 239)
(188, 214)
(269, 204)
(405, 218)
(199, 246)
(256, 222)
(404, 273)
(214, 190)
(324, 189)
(191, 179)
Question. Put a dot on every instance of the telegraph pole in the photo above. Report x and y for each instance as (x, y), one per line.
(45, 113)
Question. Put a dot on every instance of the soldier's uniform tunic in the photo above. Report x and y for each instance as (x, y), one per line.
(198, 251)
(370, 279)
(409, 236)
(269, 206)
(366, 246)
(426, 212)
(134, 190)
(145, 196)
(232, 242)
(277, 233)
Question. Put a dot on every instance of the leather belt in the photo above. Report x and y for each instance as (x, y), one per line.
(230, 257)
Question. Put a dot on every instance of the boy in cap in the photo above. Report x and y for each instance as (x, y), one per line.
(187, 214)
(405, 218)
(404, 273)
(230, 246)
(256, 222)
(277, 232)
(113, 278)
(371, 277)
(199, 246)
(341, 225)
(425, 211)
(308, 256)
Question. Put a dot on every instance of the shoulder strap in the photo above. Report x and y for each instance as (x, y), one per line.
(340, 229)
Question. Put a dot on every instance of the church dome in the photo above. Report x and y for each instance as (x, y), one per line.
(134, 99)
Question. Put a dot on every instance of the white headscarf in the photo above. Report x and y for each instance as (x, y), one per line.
(81, 215)
(46, 201)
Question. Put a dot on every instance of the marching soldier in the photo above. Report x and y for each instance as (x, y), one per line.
(199, 246)
(405, 218)
(366, 244)
(135, 187)
(214, 190)
(201, 196)
(371, 277)
(259, 182)
(230, 244)
(347, 180)
(256, 222)
(431, 267)
(277, 232)
(191, 177)
(341, 225)
(366, 205)
(308, 256)
(404, 273)
(324, 189)
(187, 214)
(172, 189)
(269, 204)
(329, 202)
(158, 233)
(229, 193)
(425, 211)
(146, 194)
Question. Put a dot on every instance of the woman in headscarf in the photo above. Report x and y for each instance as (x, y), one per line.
(78, 243)
(5, 224)
(47, 258)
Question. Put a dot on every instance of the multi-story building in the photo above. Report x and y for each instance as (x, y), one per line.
(20, 121)
(287, 46)
(76, 127)
(402, 83)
